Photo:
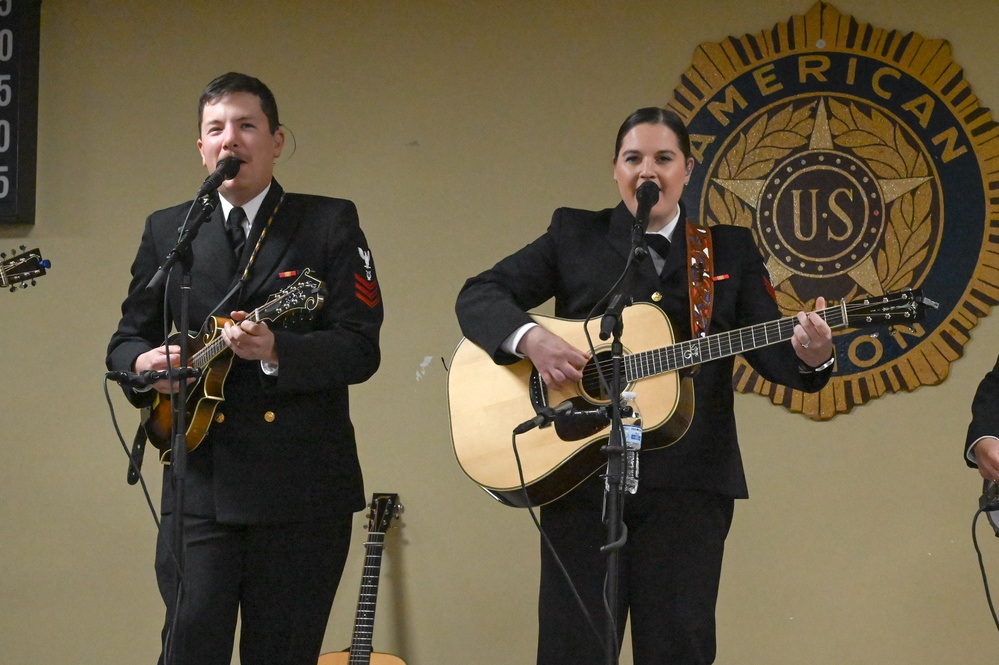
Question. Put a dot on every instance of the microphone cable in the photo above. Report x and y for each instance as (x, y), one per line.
(551, 549)
(981, 565)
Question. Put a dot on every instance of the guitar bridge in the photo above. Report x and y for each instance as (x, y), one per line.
(537, 391)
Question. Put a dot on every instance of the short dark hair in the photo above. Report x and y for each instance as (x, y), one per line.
(654, 115)
(232, 82)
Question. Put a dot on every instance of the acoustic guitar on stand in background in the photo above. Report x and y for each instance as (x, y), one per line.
(23, 267)
(384, 508)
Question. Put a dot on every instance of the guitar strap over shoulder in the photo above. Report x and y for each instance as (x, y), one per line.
(700, 264)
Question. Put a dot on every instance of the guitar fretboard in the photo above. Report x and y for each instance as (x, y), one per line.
(209, 352)
(721, 345)
(280, 304)
(364, 623)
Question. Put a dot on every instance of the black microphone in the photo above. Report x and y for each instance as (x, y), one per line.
(989, 503)
(585, 418)
(225, 169)
(544, 418)
(138, 380)
(647, 196)
(613, 314)
(589, 418)
(990, 496)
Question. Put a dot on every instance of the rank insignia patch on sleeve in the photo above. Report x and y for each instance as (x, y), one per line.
(366, 285)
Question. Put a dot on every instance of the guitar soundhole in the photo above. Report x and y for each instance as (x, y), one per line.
(590, 386)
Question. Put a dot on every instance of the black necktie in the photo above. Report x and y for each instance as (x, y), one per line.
(234, 227)
(658, 242)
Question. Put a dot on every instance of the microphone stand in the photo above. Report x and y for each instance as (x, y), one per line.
(615, 449)
(181, 254)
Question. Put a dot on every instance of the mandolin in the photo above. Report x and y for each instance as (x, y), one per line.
(212, 357)
(23, 267)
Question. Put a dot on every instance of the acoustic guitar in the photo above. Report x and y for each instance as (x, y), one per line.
(384, 508)
(486, 400)
(23, 267)
(213, 358)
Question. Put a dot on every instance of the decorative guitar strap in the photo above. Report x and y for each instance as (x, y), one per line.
(260, 240)
(700, 263)
(238, 286)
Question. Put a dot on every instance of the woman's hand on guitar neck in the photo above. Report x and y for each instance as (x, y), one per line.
(812, 338)
(557, 361)
(250, 340)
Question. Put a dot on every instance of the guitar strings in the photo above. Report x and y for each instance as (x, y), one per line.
(208, 353)
(675, 352)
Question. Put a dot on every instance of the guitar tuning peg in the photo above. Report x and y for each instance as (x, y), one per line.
(24, 247)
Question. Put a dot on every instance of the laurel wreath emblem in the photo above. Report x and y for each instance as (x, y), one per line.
(881, 143)
(752, 157)
(920, 153)
(869, 136)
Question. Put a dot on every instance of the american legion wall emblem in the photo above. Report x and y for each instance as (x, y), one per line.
(864, 164)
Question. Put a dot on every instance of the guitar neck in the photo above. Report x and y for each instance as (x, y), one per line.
(306, 294)
(721, 345)
(364, 622)
(209, 352)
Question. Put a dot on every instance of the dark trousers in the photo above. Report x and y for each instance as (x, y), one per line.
(670, 569)
(280, 580)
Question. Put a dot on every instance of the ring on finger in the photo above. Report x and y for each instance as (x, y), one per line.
(806, 343)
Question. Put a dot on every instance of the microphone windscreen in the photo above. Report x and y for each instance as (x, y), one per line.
(647, 194)
(228, 166)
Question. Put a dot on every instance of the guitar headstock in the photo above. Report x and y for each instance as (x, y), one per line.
(383, 509)
(26, 266)
(306, 295)
(899, 308)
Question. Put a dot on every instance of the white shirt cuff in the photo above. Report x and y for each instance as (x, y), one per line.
(510, 343)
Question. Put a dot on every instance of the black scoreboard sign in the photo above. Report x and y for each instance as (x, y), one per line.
(19, 27)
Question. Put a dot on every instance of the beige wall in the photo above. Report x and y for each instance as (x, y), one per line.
(456, 127)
